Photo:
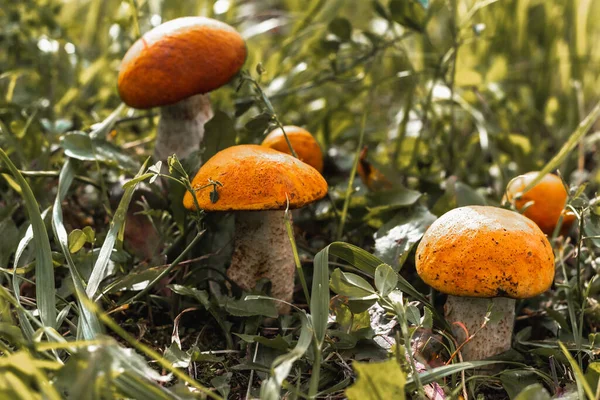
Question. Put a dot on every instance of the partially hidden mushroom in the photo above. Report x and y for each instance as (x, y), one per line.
(258, 184)
(484, 256)
(304, 144)
(173, 66)
(373, 179)
(544, 203)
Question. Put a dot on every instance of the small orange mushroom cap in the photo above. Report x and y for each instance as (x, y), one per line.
(549, 198)
(306, 147)
(482, 251)
(256, 178)
(178, 59)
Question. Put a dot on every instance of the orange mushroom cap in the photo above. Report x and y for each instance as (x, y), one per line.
(256, 178)
(306, 147)
(178, 59)
(482, 251)
(549, 198)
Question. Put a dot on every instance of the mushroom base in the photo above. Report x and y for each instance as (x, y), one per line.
(262, 249)
(494, 338)
(181, 127)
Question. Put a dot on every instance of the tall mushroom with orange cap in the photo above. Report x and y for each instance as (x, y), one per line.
(306, 147)
(482, 256)
(173, 66)
(258, 184)
(545, 201)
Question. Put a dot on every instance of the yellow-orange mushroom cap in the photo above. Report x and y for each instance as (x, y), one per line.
(482, 251)
(178, 59)
(306, 147)
(549, 198)
(256, 178)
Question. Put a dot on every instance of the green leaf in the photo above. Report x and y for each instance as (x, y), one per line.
(16, 280)
(90, 235)
(413, 315)
(341, 27)
(109, 242)
(281, 367)
(221, 383)
(86, 147)
(533, 392)
(592, 374)
(389, 200)
(9, 242)
(134, 280)
(78, 145)
(582, 384)
(89, 326)
(427, 320)
(111, 154)
(435, 374)
(377, 381)
(467, 196)
(242, 107)
(319, 296)
(103, 128)
(386, 279)
(200, 295)
(396, 238)
(380, 9)
(77, 240)
(248, 307)
(408, 13)
(278, 342)
(177, 357)
(259, 123)
(138, 179)
(364, 261)
(44, 270)
(350, 285)
(516, 381)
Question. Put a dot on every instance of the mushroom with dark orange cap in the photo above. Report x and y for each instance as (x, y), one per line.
(545, 202)
(173, 66)
(258, 183)
(480, 255)
(304, 144)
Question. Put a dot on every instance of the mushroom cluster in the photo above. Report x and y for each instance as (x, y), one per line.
(484, 256)
(258, 184)
(173, 66)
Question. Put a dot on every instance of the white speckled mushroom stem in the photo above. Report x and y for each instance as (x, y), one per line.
(262, 249)
(181, 127)
(495, 338)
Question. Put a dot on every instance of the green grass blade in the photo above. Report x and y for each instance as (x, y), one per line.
(299, 270)
(350, 188)
(161, 361)
(89, 325)
(438, 373)
(582, 384)
(24, 322)
(574, 139)
(280, 369)
(111, 238)
(134, 386)
(44, 271)
(319, 302)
